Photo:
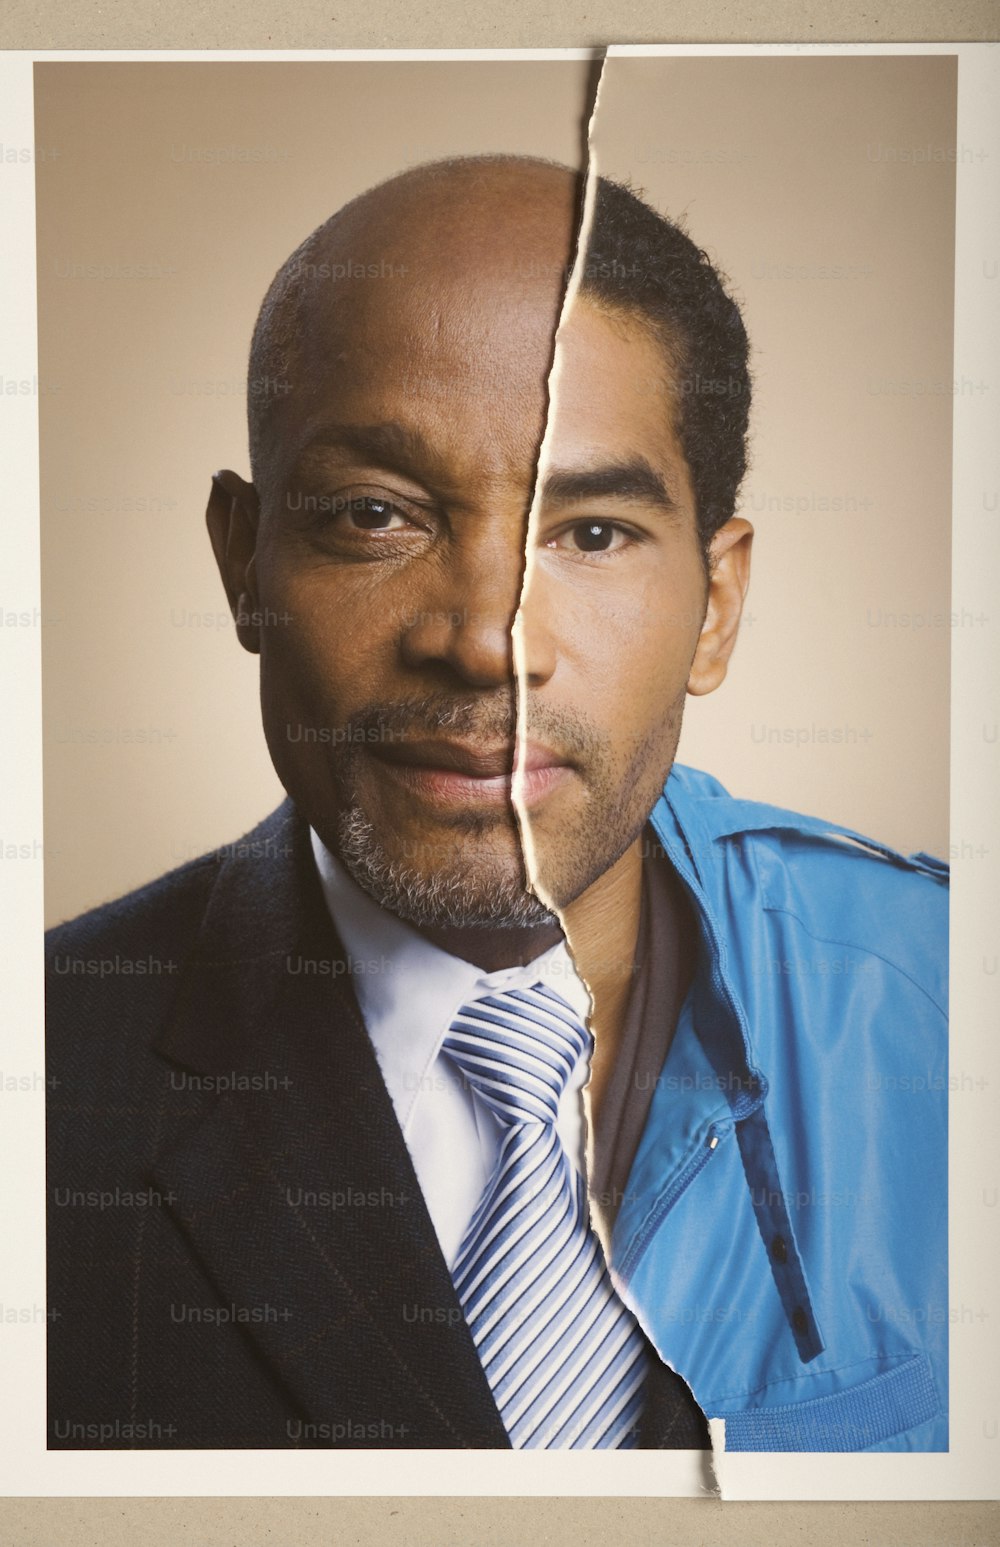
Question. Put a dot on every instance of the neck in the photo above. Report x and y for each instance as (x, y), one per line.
(493, 949)
(602, 930)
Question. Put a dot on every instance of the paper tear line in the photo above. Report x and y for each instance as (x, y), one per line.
(712, 1485)
(541, 465)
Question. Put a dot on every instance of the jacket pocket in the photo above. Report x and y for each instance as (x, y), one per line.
(850, 1420)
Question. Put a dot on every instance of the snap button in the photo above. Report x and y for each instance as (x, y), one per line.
(800, 1320)
(779, 1249)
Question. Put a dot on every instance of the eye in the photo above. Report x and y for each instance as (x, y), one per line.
(592, 537)
(368, 513)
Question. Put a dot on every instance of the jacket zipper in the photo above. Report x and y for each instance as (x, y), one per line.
(680, 1184)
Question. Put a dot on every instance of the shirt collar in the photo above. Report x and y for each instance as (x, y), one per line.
(409, 990)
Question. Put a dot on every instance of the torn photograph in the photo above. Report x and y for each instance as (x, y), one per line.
(495, 523)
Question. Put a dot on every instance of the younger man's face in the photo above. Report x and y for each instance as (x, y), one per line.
(392, 539)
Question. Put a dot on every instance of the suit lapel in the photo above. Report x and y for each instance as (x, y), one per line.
(290, 1175)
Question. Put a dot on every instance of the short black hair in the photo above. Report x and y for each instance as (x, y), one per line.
(638, 261)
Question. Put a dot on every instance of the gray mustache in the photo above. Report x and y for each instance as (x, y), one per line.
(491, 721)
(468, 716)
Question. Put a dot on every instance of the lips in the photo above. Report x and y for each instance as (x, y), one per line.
(453, 774)
(473, 762)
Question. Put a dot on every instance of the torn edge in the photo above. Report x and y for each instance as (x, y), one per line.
(712, 1458)
(541, 464)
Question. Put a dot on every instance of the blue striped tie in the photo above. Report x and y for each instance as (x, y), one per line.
(564, 1358)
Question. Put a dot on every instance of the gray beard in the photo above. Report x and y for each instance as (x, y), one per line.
(446, 899)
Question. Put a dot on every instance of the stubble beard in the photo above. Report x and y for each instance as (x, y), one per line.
(462, 886)
(466, 889)
(455, 896)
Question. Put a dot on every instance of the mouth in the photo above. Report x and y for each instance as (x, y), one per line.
(452, 773)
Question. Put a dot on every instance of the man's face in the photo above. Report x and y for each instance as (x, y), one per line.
(394, 542)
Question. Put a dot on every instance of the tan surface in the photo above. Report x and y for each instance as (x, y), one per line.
(408, 1522)
(474, 24)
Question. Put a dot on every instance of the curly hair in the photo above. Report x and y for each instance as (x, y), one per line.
(638, 261)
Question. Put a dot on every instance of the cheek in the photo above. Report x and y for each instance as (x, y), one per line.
(642, 716)
(336, 637)
(630, 644)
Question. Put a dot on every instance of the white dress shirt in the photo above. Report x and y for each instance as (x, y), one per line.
(409, 992)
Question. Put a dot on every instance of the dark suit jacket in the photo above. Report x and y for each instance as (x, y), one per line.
(239, 1251)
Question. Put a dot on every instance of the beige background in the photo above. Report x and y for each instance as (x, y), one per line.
(800, 182)
(789, 172)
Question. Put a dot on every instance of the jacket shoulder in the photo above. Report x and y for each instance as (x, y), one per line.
(168, 907)
(153, 912)
(706, 812)
(838, 884)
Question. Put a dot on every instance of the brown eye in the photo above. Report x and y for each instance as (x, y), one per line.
(369, 513)
(593, 536)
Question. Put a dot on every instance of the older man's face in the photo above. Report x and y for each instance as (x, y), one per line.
(394, 540)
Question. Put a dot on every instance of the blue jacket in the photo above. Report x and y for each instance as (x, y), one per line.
(783, 1234)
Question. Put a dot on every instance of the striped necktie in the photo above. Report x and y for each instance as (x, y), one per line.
(565, 1359)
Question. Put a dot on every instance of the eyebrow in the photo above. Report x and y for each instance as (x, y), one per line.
(391, 444)
(400, 446)
(633, 479)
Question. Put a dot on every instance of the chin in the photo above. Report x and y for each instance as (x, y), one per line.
(486, 891)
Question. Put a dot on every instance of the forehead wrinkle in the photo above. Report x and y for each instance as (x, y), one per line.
(436, 284)
(449, 356)
(419, 401)
(451, 467)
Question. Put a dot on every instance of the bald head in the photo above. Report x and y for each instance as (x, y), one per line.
(423, 246)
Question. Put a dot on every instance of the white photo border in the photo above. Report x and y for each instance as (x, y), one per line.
(970, 1469)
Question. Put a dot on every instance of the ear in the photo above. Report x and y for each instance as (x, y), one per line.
(729, 577)
(232, 516)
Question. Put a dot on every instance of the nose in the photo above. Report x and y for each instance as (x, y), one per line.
(536, 631)
(465, 621)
